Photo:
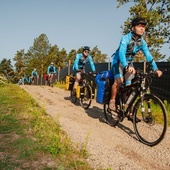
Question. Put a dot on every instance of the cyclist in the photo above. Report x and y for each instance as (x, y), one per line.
(20, 82)
(80, 62)
(25, 79)
(34, 74)
(129, 45)
(51, 70)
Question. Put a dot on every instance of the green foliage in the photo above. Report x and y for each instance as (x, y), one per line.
(39, 56)
(3, 80)
(6, 69)
(168, 60)
(71, 56)
(20, 64)
(156, 13)
(62, 58)
(38, 53)
(31, 134)
(98, 57)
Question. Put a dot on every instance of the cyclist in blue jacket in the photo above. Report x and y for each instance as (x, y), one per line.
(129, 45)
(34, 74)
(51, 70)
(79, 64)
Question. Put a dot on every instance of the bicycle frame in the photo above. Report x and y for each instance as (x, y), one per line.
(34, 80)
(140, 91)
(50, 79)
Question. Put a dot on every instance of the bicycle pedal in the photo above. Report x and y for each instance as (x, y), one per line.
(114, 115)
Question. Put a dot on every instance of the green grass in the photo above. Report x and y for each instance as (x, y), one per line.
(30, 139)
(167, 106)
(60, 85)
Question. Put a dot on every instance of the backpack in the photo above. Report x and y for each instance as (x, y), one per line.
(104, 81)
(34, 74)
(51, 70)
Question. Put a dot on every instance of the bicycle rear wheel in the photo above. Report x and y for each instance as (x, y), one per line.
(150, 120)
(111, 117)
(32, 80)
(86, 100)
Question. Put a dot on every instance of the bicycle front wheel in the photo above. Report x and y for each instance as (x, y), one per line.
(73, 96)
(111, 117)
(86, 99)
(150, 120)
(51, 83)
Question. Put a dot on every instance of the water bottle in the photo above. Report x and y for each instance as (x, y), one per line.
(130, 98)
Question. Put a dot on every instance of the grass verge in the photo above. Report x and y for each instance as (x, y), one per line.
(30, 139)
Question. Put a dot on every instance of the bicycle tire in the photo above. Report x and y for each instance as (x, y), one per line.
(86, 100)
(33, 81)
(73, 96)
(51, 83)
(50, 80)
(111, 118)
(151, 125)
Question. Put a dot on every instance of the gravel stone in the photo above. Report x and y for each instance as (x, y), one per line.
(116, 148)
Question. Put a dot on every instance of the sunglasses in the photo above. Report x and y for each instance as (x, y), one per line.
(86, 51)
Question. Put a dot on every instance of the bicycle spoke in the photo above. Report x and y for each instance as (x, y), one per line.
(111, 117)
(153, 122)
(73, 96)
(86, 99)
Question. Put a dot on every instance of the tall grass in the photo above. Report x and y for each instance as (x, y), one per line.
(30, 139)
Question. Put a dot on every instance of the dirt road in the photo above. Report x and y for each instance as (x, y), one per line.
(116, 148)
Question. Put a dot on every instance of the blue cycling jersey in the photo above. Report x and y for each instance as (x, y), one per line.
(128, 47)
(34, 73)
(51, 69)
(80, 62)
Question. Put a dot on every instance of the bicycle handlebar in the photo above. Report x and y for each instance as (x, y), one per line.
(140, 74)
(89, 76)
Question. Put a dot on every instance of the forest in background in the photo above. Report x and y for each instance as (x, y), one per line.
(42, 52)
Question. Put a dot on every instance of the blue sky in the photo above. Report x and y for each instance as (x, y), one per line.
(69, 24)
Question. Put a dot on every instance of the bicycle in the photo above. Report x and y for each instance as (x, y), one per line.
(85, 91)
(50, 79)
(147, 111)
(34, 80)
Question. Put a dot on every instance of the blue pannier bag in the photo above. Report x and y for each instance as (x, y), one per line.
(104, 80)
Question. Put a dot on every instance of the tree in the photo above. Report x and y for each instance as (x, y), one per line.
(168, 60)
(52, 56)
(98, 57)
(156, 12)
(6, 69)
(19, 63)
(71, 56)
(38, 53)
(62, 58)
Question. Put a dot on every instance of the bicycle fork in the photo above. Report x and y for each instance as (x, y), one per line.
(147, 114)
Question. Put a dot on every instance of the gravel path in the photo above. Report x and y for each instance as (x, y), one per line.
(108, 147)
